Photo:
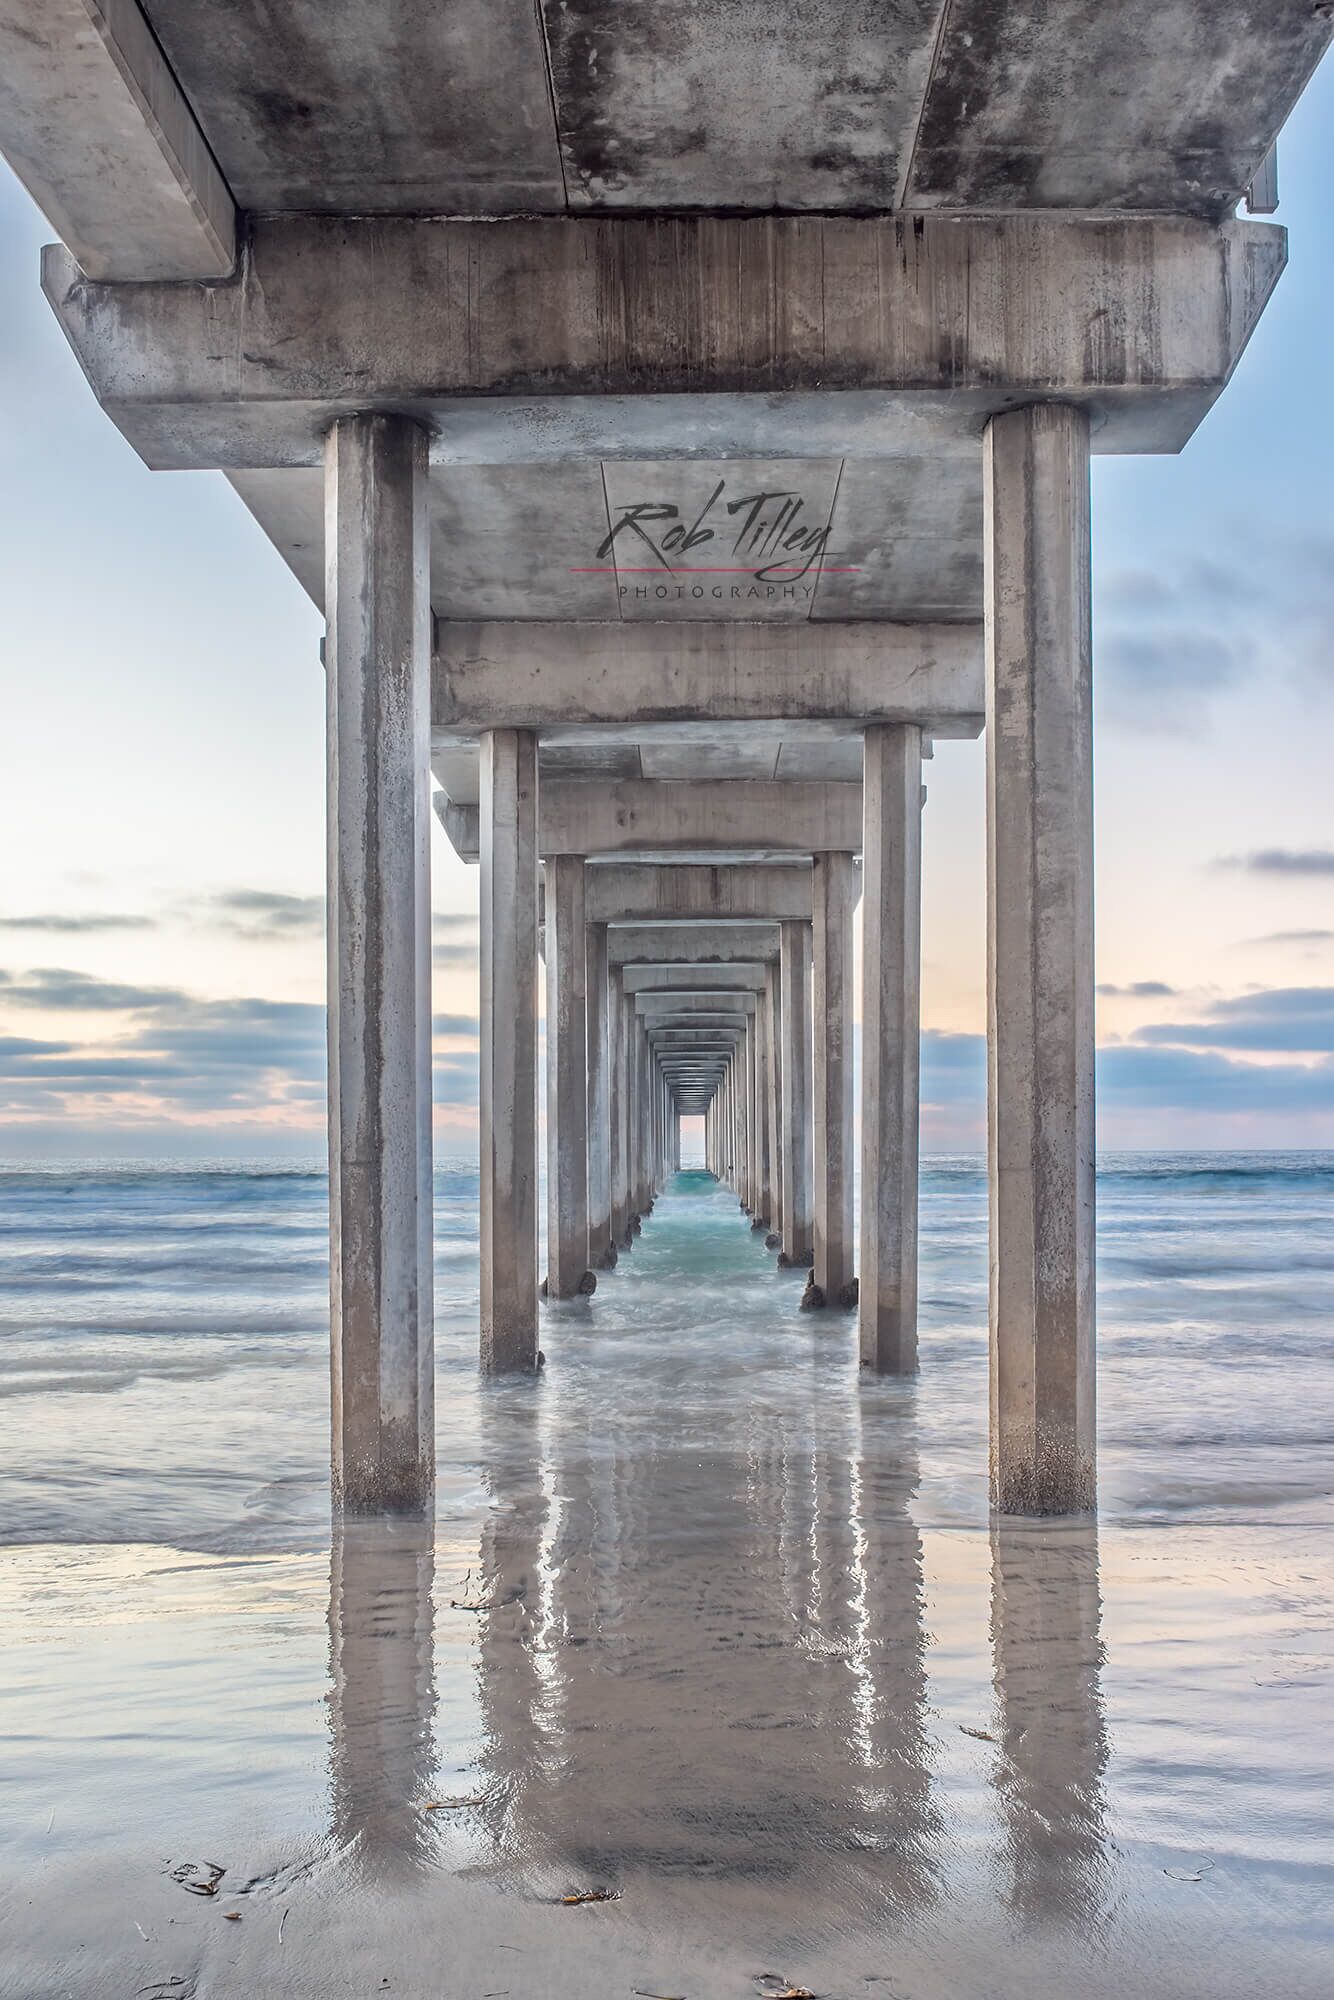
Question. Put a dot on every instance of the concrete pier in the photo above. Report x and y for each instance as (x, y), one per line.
(907, 343)
(377, 659)
(831, 987)
(567, 1079)
(798, 1225)
(891, 1036)
(508, 1036)
(1040, 959)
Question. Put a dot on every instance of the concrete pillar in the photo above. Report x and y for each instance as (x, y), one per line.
(891, 1038)
(831, 930)
(567, 1080)
(601, 1252)
(378, 657)
(1040, 959)
(508, 1030)
(773, 1120)
(764, 1201)
(795, 1078)
(643, 1138)
(620, 1167)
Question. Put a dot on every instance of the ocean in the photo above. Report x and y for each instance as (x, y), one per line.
(706, 1621)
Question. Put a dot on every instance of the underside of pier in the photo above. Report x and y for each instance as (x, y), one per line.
(683, 419)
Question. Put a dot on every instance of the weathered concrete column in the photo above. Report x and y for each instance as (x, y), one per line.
(567, 1081)
(891, 1037)
(795, 1077)
(764, 1160)
(620, 1123)
(601, 1251)
(508, 1030)
(378, 655)
(1040, 960)
(831, 929)
(643, 1137)
(774, 1119)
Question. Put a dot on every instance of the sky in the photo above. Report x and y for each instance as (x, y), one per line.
(162, 779)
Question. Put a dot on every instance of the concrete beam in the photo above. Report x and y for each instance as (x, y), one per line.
(550, 338)
(533, 675)
(576, 816)
(95, 126)
(622, 892)
(683, 1005)
(683, 954)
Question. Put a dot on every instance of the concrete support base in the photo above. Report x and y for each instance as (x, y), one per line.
(1040, 960)
(508, 1085)
(378, 671)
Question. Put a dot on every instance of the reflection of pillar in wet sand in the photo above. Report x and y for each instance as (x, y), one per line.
(514, 1638)
(382, 1686)
(1047, 1659)
(709, 1661)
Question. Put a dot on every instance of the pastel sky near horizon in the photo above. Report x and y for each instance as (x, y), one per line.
(162, 805)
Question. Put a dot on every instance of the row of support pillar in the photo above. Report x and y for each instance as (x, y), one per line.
(779, 1123)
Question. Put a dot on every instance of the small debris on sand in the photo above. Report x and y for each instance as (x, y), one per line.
(982, 1735)
(198, 1878)
(1195, 1874)
(774, 1986)
(591, 1896)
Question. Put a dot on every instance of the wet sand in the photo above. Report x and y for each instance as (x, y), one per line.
(694, 1629)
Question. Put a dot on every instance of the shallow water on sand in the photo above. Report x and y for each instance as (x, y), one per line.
(705, 1620)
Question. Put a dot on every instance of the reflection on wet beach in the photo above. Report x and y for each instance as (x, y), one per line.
(712, 1666)
(1047, 1658)
(706, 1622)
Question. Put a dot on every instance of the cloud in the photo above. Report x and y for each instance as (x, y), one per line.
(1300, 861)
(173, 1057)
(1151, 1079)
(1294, 937)
(1140, 989)
(454, 1080)
(61, 991)
(77, 925)
(455, 1024)
(265, 915)
(1170, 638)
(454, 934)
(1286, 1020)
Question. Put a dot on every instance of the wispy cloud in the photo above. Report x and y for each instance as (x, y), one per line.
(1286, 1020)
(265, 915)
(158, 1053)
(1293, 937)
(58, 990)
(455, 1025)
(1318, 861)
(454, 936)
(1172, 637)
(62, 924)
(1140, 989)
